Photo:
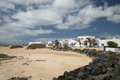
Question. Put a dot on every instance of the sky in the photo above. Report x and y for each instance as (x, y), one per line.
(22, 21)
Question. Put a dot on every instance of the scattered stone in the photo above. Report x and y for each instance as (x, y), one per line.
(41, 60)
(20, 78)
(22, 71)
(25, 64)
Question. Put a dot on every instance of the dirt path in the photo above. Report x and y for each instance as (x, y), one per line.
(41, 64)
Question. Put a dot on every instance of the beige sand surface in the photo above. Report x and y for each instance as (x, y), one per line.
(41, 64)
(99, 49)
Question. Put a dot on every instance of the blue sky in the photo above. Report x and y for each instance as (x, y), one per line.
(22, 21)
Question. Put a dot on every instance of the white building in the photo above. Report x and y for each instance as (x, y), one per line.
(82, 40)
(112, 49)
(61, 43)
(35, 43)
(103, 42)
(49, 43)
(70, 42)
(77, 44)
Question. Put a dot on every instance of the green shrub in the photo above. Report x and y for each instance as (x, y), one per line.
(24, 44)
(113, 58)
(36, 46)
(85, 42)
(57, 43)
(6, 45)
(16, 46)
(66, 46)
(112, 44)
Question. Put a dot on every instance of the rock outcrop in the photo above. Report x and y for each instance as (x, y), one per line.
(105, 66)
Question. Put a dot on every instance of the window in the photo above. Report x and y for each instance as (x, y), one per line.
(102, 44)
(78, 40)
(81, 38)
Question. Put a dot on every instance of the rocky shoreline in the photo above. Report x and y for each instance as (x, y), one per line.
(105, 66)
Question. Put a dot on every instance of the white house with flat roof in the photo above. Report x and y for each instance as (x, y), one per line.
(70, 42)
(103, 42)
(76, 43)
(35, 43)
(82, 40)
(49, 43)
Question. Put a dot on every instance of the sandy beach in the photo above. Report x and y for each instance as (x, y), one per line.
(41, 64)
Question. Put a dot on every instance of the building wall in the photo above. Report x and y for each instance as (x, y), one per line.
(112, 49)
(104, 42)
(61, 43)
(82, 39)
(77, 44)
(70, 42)
(49, 43)
(35, 43)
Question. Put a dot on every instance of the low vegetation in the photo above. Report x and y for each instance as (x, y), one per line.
(16, 46)
(92, 42)
(5, 57)
(24, 44)
(66, 46)
(112, 44)
(57, 43)
(36, 46)
(6, 45)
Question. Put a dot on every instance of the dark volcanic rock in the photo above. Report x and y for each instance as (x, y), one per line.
(20, 78)
(105, 66)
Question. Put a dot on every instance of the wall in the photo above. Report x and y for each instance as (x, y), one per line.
(77, 44)
(107, 40)
(35, 43)
(70, 42)
(112, 49)
(82, 39)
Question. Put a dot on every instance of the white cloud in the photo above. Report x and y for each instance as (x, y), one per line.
(107, 35)
(15, 30)
(10, 40)
(6, 5)
(37, 32)
(64, 4)
(117, 36)
(70, 4)
(6, 19)
(115, 18)
(9, 35)
(65, 14)
(95, 29)
(89, 14)
(38, 17)
(65, 7)
(26, 2)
